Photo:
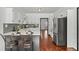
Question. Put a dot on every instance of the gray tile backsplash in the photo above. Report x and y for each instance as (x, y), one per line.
(7, 27)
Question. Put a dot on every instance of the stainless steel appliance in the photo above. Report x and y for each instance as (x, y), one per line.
(60, 31)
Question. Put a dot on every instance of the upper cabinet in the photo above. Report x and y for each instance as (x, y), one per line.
(9, 15)
(18, 17)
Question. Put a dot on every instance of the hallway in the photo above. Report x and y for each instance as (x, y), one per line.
(46, 43)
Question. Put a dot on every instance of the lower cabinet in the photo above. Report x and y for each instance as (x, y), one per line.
(36, 46)
(22, 43)
(19, 43)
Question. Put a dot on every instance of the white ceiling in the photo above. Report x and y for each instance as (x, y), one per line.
(36, 9)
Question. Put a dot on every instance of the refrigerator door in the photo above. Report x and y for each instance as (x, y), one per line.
(62, 31)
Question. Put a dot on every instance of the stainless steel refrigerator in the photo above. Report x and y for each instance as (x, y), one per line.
(60, 31)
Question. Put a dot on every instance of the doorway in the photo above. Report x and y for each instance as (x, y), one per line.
(43, 33)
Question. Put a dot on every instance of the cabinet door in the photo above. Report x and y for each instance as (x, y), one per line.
(62, 31)
(7, 44)
(9, 15)
(36, 43)
(11, 43)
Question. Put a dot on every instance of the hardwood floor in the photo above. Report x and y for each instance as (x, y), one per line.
(46, 43)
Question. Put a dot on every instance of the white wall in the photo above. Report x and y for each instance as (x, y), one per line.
(71, 25)
(72, 28)
(62, 12)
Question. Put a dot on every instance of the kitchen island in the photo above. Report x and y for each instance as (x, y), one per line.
(25, 34)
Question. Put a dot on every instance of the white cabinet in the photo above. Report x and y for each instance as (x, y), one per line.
(36, 43)
(9, 15)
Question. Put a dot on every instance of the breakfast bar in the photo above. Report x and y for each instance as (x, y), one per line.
(22, 41)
